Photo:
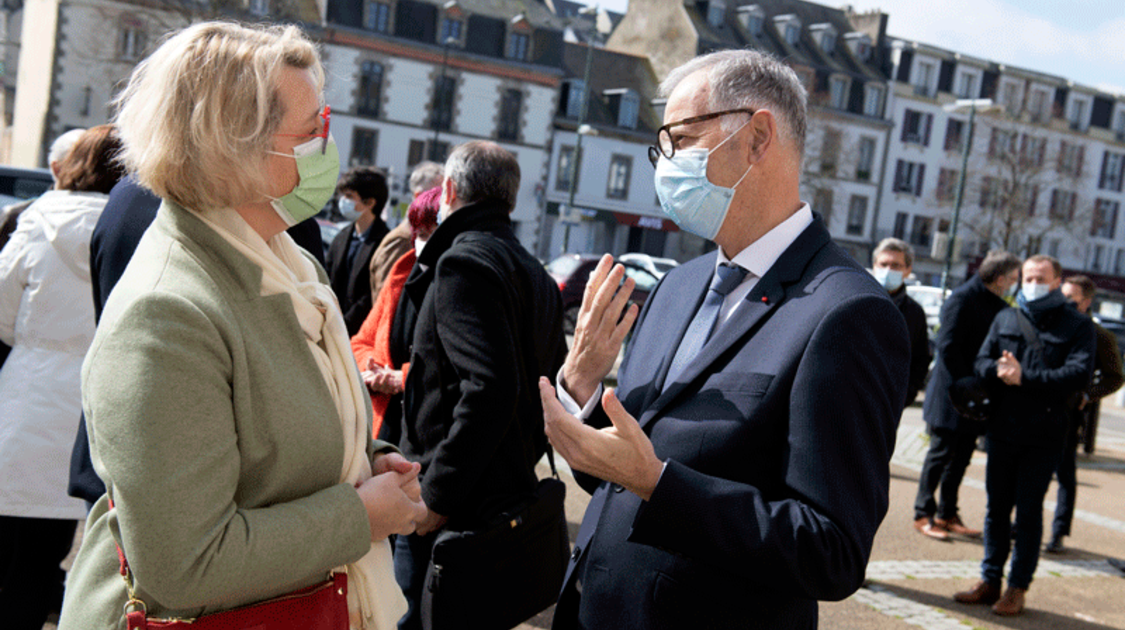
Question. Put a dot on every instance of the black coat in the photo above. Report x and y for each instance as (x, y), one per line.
(351, 281)
(489, 325)
(1035, 412)
(920, 355)
(965, 317)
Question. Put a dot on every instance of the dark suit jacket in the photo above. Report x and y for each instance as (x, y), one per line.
(965, 318)
(351, 281)
(489, 324)
(919, 342)
(128, 213)
(777, 440)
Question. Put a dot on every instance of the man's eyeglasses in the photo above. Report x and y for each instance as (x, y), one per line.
(323, 135)
(666, 146)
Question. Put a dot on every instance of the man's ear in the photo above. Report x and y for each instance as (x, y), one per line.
(448, 192)
(761, 136)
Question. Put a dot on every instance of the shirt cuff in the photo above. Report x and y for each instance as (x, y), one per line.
(571, 405)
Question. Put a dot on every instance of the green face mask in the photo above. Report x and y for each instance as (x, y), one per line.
(318, 165)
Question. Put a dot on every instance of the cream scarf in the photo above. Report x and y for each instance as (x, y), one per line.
(375, 601)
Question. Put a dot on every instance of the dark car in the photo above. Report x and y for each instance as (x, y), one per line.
(571, 272)
(19, 184)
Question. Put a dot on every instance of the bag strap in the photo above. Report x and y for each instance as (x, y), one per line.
(136, 613)
(1029, 332)
(551, 461)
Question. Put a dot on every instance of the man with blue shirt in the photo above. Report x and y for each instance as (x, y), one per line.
(1035, 359)
(362, 195)
(741, 468)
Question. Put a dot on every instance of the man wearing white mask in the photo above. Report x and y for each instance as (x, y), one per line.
(892, 263)
(741, 467)
(362, 195)
(1035, 358)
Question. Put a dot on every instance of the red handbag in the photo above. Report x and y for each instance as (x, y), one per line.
(321, 606)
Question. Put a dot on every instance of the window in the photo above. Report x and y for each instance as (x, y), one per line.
(1027, 195)
(511, 102)
(377, 17)
(1096, 259)
(792, 34)
(562, 175)
(908, 177)
(1011, 98)
(1071, 157)
(1105, 218)
(1053, 247)
(1062, 205)
(575, 93)
(132, 41)
(370, 96)
(1078, 115)
(1032, 150)
(715, 11)
(629, 109)
(829, 152)
(955, 135)
(922, 232)
(518, 46)
(259, 7)
(752, 18)
(838, 90)
(873, 101)
(923, 77)
(1112, 165)
(441, 109)
(916, 127)
(822, 204)
(438, 151)
(1003, 142)
(1119, 125)
(900, 224)
(857, 215)
(1040, 101)
(989, 193)
(947, 181)
(866, 159)
(451, 28)
(966, 85)
(620, 168)
(415, 153)
(364, 142)
(1119, 264)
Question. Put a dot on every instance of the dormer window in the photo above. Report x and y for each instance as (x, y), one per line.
(1079, 113)
(258, 7)
(452, 31)
(789, 25)
(575, 92)
(838, 91)
(716, 9)
(627, 104)
(752, 17)
(519, 39)
(859, 44)
(825, 36)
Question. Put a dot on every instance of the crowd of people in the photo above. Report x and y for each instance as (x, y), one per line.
(258, 413)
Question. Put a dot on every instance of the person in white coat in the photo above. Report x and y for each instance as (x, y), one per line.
(47, 316)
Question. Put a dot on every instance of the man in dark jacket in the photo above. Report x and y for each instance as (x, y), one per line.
(1108, 378)
(489, 323)
(1035, 359)
(362, 195)
(892, 262)
(965, 317)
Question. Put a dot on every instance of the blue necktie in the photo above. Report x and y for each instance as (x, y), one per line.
(727, 277)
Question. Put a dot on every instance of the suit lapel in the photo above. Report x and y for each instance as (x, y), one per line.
(676, 316)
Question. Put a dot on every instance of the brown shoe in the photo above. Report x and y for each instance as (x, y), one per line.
(927, 526)
(981, 593)
(1011, 603)
(955, 526)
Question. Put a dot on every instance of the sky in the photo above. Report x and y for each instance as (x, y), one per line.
(1079, 40)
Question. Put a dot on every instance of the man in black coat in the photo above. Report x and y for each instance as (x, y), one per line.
(965, 317)
(362, 196)
(489, 323)
(1035, 359)
(892, 262)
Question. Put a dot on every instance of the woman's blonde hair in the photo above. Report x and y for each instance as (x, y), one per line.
(198, 115)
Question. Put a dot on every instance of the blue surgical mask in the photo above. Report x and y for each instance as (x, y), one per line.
(688, 197)
(347, 209)
(889, 278)
(1033, 291)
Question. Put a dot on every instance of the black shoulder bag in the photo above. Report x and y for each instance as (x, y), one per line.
(504, 572)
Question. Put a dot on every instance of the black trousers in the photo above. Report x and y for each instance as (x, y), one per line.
(1067, 475)
(945, 464)
(31, 580)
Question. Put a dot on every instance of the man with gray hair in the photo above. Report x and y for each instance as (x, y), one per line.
(398, 241)
(489, 323)
(892, 262)
(741, 467)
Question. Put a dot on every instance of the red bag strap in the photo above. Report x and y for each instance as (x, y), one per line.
(136, 613)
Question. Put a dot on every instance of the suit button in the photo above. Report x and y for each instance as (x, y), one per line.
(619, 489)
(576, 554)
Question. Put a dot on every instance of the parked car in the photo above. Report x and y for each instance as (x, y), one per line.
(571, 272)
(18, 184)
(930, 299)
(657, 266)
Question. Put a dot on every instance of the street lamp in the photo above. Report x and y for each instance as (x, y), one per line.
(984, 104)
(582, 129)
(449, 41)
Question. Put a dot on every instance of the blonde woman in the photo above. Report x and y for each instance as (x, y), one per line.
(225, 411)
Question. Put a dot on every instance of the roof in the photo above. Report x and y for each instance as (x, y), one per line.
(613, 71)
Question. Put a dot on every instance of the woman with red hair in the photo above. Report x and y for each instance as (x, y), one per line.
(378, 346)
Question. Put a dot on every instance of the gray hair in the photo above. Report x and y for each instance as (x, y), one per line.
(482, 171)
(895, 245)
(752, 79)
(997, 263)
(426, 175)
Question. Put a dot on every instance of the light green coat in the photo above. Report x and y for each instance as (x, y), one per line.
(216, 435)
